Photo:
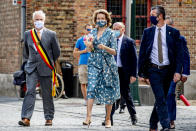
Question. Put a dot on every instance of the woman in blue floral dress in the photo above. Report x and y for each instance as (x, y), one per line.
(103, 79)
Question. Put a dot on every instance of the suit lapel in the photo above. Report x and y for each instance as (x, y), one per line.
(167, 35)
(153, 34)
(151, 39)
(43, 35)
(44, 38)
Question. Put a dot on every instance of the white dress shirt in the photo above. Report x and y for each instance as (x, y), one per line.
(119, 64)
(154, 54)
(41, 31)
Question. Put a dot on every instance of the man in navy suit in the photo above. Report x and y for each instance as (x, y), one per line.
(171, 97)
(160, 61)
(126, 60)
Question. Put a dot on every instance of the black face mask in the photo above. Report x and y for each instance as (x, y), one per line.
(153, 20)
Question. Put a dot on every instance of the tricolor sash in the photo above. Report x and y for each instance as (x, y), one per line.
(45, 58)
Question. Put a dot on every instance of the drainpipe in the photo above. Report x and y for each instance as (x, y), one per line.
(23, 28)
(128, 16)
(23, 19)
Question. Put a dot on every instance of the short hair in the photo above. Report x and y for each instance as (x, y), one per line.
(87, 25)
(119, 23)
(160, 10)
(40, 12)
(171, 22)
(107, 15)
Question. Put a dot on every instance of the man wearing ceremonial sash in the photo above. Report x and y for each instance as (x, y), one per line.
(41, 50)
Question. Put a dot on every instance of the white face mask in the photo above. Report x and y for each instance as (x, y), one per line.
(39, 24)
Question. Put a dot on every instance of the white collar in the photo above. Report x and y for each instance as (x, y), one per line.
(40, 30)
(162, 28)
(120, 39)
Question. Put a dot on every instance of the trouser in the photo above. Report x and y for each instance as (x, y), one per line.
(29, 99)
(160, 80)
(125, 92)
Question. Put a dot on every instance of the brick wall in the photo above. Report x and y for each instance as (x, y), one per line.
(67, 18)
(9, 36)
(185, 20)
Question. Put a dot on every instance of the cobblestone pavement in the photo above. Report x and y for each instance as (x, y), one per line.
(70, 113)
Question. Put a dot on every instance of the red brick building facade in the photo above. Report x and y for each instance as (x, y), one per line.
(9, 36)
(68, 17)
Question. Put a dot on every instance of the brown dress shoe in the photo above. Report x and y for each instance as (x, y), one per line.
(24, 122)
(48, 123)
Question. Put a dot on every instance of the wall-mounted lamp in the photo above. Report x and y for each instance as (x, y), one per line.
(180, 2)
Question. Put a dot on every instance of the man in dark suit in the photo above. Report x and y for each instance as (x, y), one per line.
(126, 59)
(171, 96)
(37, 70)
(160, 61)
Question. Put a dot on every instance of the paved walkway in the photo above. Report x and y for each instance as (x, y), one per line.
(70, 113)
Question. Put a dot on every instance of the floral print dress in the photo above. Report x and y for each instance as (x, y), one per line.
(103, 78)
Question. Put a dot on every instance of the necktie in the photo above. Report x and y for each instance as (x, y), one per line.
(115, 57)
(160, 52)
(39, 35)
(117, 42)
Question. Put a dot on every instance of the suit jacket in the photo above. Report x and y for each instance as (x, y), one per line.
(175, 50)
(186, 62)
(128, 56)
(33, 58)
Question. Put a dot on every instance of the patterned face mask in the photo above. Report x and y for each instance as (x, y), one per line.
(39, 24)
(101, 23)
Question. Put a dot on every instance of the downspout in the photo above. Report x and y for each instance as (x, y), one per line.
(128, 16)
(23, 28)
(23, 19)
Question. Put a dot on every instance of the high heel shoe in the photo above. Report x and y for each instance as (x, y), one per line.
(87, 123)
(108, 124)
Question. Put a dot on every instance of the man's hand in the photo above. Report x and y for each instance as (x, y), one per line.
(184, 79)
(132, 79)
(143, 80)
(176, 77)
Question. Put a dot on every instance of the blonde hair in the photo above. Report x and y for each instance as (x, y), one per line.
(107, 15)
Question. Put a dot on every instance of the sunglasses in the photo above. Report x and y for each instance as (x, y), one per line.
(88, 29)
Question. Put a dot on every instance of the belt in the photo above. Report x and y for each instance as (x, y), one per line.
(159, 67)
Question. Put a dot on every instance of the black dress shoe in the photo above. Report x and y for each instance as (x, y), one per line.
(64, 97)
(134, 119)
(122, 111)
(172, 125)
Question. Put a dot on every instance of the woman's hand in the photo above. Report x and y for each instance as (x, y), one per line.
(107, 49)
(88, 44)
(101, 46)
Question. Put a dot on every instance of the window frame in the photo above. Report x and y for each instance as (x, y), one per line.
(123, 16)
